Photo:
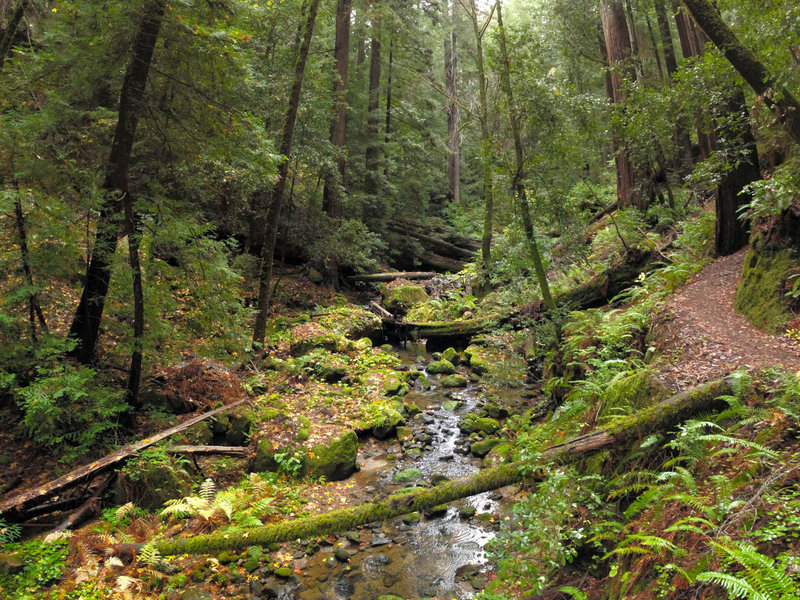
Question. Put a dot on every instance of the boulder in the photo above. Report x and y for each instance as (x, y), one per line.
(454, 381)
(482, 448)
(387, 426)
(441, 367)
(407, 475)
(400, 296)
(335, 460)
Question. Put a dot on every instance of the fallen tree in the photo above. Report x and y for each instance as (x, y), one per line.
(380, 277)
(620, 433)
(47, 491)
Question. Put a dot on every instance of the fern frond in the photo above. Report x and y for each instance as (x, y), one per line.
(208, 490)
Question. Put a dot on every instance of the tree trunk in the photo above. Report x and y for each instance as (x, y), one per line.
(666, 37)
(618, 54)
(304, 35)
(453, 116)
(331, 201)
(731, 233)
(10, 30)
(661, 417)
(748, 65)
(86, 323)
(372, 156)
(654, 44)
(331, 195)
(388, 128)
(486, 137)
(135, 372)
(518, 183)
(34, 308)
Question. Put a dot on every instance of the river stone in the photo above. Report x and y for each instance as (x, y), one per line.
(341, 554)
(451, 405)
(413, 452)
(395, 385)
(334, 461)
(407, 475)
(195, 594)
(454, 381)
(475, 357)
(404, 434)
(388, 426)
(283, 572)
(467, 512)
(380, 539)
(451, 355)
(481, 449)
(436, 511)
(411, 518)
(494, 411)
(331, 562)
(441, 367)
(353, 536)
(486, 425)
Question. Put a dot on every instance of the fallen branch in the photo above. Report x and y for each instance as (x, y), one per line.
(225, 450)
(660, 417)
(48, 490)
(92, 504)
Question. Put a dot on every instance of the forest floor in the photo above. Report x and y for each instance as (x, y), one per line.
(704, 337)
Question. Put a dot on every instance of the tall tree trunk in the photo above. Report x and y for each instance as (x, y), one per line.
(486, 136)
(135, 372)
(666, 37)
(34, 308)
(618, 49)
(86, 323)
(654, 44)
(748, 65)
(634, 38)
(388, 128)
(373, 145)
(10, 30)
(453, 117)
(304, 35)
(518, 183)
(731, 233)
(331, 195)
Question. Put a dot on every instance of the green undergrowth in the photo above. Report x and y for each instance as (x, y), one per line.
(762, 292)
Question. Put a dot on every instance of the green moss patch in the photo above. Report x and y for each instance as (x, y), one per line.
(761, 295)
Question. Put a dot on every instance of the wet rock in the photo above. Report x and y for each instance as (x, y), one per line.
(486, 425)
(341, 554)
(195, 594)
(481, 449)
(451, 355)
(436, 511)
(411, 518)
(451, 405)
(379, 539)
(388, 426)
(441, 367)
(270, 590)
(353, 536)
(407, 475)
(446, 457)
(411, 410)
(404, 434)
(331, 562)
(494, 411)
(283, 572)
(467, 512)
(454, 381)
(255, 587)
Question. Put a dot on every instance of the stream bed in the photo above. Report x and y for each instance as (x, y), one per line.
(440, 554)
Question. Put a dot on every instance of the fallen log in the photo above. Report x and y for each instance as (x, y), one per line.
(620, 433)
(206, 450)
(440, 334)
(382, 312)
(48, 490)
(446, 233)
(92, 504)
(438, 245)
(432, 260)
(380, 277)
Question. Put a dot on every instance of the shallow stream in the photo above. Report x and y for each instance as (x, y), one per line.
(442, 555)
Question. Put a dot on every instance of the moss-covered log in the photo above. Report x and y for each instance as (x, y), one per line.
(391, 276)
(440, 334)
(660, 417)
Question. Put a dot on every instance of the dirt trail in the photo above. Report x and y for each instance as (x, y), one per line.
(704, 337)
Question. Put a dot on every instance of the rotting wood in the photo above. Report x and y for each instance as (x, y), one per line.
(391, 276)
(433, 243)
(226, 450)
(622, 432)
(92, 504)
(41, 493)
(382, 312)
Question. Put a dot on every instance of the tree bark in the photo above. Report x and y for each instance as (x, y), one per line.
(518, 183)
(86, 323)
(388, 124)
(372, 155)
(34, 308)
(10, 30)
(453, 116)
(618, 54)
(620, 434)
(304, 35)
(748, 65)
(135, 372)
(665, 33)
(730, 232)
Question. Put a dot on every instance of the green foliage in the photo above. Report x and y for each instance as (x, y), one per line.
(772, 196)
(8, 533)
(44, 564)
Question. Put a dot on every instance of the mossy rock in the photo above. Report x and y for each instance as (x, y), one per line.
(486, 425)
(388, 425)
(404, 434)
(467, 424)
(200, 434)
(435, 512)
(494, 411)
(264, 459)
(629, 394)
(150, 479)
(476, 358)
(238, 431)
(454, 381)
(407, 475)
(481, 449)
(395, 385)
(306, 337)
(303, 429)
(499, 454)
(354, 323)
(390, 597)
(411, 518)
(441, 367)
(761, 295)
(451, 355)
(411, 410)
(451, 405)
(334, 461)
(402, 296)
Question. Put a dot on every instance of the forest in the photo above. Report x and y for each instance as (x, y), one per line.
(399, 299)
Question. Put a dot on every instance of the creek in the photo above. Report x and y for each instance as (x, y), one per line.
(439, 554)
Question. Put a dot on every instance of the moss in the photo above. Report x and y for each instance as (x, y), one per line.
(441, 367)
(308, 336)
(630, 394)
(454, 381)
(451, 405)
(475, 357)
(481, 449)
(400, 298)
(354, 323)
(304, 430)
(334, 461)
(451, 355)
(395, 385)
(761, 293)
(152, 478)
(404, 434)
(485, 425)
(407, 476)
(387, 425)
(238, 430)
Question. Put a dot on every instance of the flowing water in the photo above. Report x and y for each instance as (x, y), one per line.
(440, 556)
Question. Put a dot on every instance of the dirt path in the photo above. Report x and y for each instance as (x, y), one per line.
(704, 337)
